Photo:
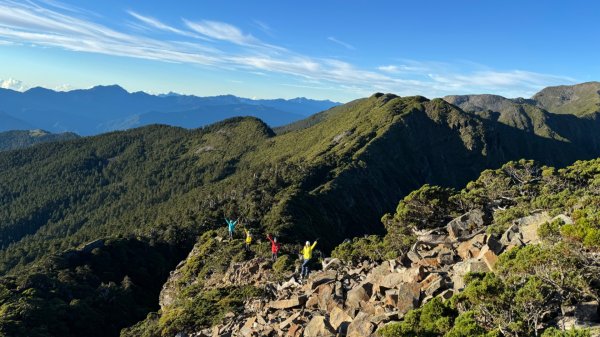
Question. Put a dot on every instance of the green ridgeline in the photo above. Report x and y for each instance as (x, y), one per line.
(332, 178)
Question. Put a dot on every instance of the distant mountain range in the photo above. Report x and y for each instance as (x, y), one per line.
(107, 108)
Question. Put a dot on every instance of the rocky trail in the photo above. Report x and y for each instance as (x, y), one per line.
(355, 301)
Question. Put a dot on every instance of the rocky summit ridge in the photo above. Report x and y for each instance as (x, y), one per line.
(357, 300)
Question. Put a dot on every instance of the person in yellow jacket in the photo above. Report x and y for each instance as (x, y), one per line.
(307, 255)
(248, 239)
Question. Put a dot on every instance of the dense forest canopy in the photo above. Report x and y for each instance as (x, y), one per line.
(150, 193)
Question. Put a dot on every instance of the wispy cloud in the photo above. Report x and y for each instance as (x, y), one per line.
(222, 31)
(402, 68)
(341, 43)
(220, 44)
(154, 23)
(500, 79)
(67, 7)
(468, 77)
(389, 69)
(265, 28)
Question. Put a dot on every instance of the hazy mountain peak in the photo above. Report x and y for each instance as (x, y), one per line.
(170, 94)
(113, 88)
(39, 90)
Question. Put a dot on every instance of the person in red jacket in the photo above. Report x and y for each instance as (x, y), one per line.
(274, 247)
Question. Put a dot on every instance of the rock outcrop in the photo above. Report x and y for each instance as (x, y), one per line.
(355, 301)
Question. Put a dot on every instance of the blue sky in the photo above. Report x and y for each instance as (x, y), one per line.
(337, 50)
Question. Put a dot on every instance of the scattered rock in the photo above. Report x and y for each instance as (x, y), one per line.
(463, 225)
(288, 304)
(510, 235)
(529, 227)
(358, 295)
(471, 248)
(331, 263)
(494, 244)
(248, 327)
(294, 331)
(393, 280)
(413, 256)
(379, 272)
(391, 297)
(291, 283)
(312, 302)
(488, 256)
(338, 318)
(408, 297)
(566, 219)
(289, 320)
(325, 297)
(361, 326)
(316, 279)
(429, 262)
(318, 327)
(431, 284)
(446, 294)
(462, 268)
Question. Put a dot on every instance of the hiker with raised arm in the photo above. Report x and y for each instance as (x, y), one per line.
(274, 247)
(248, 239)
(307, 256)
(231, 226)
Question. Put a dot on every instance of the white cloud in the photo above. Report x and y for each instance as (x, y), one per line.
(414, 67)
(64, 87)
(13, 84)
(341, 43)
(389, 69)
(510, 83)
(19, 85)
(154, 23)
(219, 44)
(440, 78)
(222, 31)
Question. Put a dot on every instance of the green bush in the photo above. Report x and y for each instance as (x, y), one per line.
(428, 207)
(465, 325)
(372, 248)
(205, 309)
(586, 228)
(553, 332)
(284, 265)
(433, 319)
(550, 231)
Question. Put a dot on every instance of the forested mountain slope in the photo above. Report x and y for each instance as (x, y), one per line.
(162, 186)
(11, 140)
